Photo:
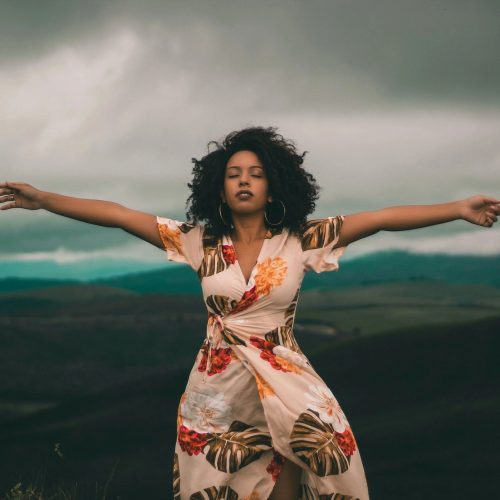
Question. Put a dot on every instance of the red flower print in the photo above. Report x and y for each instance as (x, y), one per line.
(191, 441)
(274, 467)
(219, 357)
(271, 359)
(262, 343)
(247, 299)
(266, 352)
(229, 254)
(346, 441)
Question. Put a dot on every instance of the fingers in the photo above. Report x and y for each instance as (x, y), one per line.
(8, 205)
(490, 219)
(492, 212)
(490, 199)
(8, 187)
(11, 185)
(9, 197)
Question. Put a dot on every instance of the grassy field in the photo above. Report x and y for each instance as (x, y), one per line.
(89, 385)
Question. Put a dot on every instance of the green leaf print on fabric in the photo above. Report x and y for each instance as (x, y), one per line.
(283, 336)
(221, 304)
(214, 259)
(290, 310)
(315, 443)
(318, 233)
(240, 445)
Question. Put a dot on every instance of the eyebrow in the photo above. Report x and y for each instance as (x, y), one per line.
(251, 166)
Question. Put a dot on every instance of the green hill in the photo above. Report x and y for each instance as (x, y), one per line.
(375, 268)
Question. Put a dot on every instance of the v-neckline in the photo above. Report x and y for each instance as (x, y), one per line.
(261, 251)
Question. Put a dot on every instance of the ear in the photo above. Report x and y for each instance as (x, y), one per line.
(223, 198)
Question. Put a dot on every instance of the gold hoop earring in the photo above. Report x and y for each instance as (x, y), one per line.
(222, 218)
(282, 218)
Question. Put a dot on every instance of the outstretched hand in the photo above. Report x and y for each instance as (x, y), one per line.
(19, 195)
(481, 210)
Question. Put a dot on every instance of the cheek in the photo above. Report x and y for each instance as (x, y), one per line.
(262, 188)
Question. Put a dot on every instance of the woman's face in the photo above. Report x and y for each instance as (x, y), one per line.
(244, 171)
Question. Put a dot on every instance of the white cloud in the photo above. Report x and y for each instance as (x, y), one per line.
(49, 101)
(63, 255)
(483, 241)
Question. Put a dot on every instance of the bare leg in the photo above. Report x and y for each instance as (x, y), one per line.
(288, 483)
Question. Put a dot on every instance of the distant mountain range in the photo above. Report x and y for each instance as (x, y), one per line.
(82, 270)
(142, 277)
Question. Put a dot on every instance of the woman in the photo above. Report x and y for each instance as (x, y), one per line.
(255, 420)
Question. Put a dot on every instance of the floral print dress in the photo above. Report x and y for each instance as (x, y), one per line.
(252, 399)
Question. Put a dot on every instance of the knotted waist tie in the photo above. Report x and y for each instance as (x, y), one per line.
(215, 333)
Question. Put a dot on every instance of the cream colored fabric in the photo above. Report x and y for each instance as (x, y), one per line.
(253, 400)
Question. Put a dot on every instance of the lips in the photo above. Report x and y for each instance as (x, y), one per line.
(244, 191)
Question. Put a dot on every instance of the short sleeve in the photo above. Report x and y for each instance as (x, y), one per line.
(181, 240)
(319, 244)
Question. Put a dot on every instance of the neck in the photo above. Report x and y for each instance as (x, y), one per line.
(248, 229)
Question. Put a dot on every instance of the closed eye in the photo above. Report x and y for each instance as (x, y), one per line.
(258, 176)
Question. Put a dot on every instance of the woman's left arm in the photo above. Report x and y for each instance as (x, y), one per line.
(480, 209)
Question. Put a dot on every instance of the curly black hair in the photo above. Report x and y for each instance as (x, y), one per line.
(287, 180)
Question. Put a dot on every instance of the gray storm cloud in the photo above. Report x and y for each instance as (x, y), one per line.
(406, 49)
(397, 103)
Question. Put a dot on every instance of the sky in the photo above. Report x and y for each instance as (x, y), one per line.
(396, 102)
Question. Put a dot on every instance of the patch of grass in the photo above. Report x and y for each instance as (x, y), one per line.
(63, 491)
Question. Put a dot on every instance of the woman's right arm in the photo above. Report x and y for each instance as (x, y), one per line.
(98, 212)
